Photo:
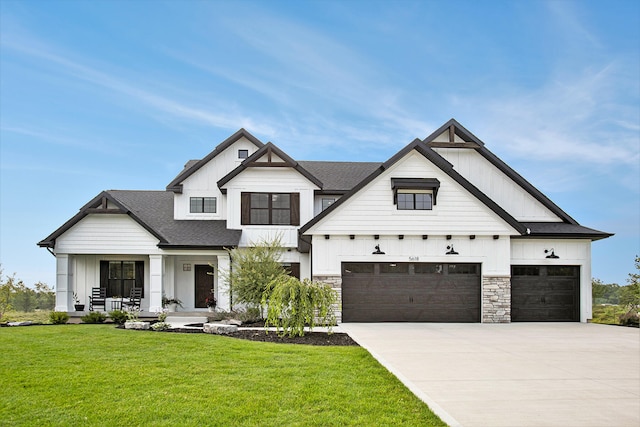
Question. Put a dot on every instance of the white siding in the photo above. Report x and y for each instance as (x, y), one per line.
(372, 211)
(495, 184)
(85, 274)
(203, 183)
(329, 254)
(269, 180)
(570, 252)
(108, 234)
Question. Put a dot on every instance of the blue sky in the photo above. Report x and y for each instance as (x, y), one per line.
(119, 94)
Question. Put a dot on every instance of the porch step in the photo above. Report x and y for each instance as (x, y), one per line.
(186, 319)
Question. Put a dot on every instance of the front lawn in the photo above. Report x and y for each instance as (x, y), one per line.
(100, 375)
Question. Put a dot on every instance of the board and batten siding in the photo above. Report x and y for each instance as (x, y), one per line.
(269, 180)
(495, 184)
(107, 234)
(570, 252)
(328, 254)
(204, 182)
(372, 211)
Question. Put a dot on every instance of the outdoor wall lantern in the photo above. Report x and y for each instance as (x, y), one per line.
(377, 251)
(451, 251)
(552, 255)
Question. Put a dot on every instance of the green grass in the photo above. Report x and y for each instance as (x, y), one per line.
(608, 314)
(39, 316)
(99, 375)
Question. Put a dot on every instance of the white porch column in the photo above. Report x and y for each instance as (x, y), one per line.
(63, 283)
(224, 291)
(155, 283)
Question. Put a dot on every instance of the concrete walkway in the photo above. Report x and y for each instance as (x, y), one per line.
(514, 375)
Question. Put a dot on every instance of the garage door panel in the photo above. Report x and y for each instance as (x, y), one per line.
(545, 293)
(395, 293)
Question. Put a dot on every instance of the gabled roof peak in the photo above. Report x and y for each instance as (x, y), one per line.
(453, 135)
(176, 184)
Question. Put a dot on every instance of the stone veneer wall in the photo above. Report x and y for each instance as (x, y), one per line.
(336, 284)
(496, 299)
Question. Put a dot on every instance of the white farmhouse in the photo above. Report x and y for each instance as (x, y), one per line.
(444, 231)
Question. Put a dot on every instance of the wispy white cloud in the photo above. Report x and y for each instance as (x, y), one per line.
(133, 91)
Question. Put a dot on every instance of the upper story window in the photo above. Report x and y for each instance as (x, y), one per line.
(270, 208)
(327, 201)
(202, 205)
(243, 154)
(415, 193)
(414, 201)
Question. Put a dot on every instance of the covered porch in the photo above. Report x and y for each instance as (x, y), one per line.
(188, 276)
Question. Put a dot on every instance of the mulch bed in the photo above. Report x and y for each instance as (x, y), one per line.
(310, 338)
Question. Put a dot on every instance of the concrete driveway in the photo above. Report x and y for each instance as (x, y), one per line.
(514, 375)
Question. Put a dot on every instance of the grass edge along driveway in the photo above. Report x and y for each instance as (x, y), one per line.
(100, 375)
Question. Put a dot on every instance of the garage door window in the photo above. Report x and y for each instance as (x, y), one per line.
(394, 268)
(428, 268)
(526, 270)
(463, 269)
(358, 268)
(561, 271)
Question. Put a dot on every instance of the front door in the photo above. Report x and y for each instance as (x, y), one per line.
(204, 284)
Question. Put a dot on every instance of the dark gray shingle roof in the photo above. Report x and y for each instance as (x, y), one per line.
(563, 229)
(339, 177)
(155, 208)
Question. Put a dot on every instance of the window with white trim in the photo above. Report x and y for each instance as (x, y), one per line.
(202, 205)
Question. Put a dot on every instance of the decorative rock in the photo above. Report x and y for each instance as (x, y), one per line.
(136, 325)
(232, 322)
(27, 323)
(219, 328)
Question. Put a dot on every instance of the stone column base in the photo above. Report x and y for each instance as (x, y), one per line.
(496, 299)
(336, 284)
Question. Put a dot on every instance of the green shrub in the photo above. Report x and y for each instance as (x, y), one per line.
(294, 304)
(118, 316)
(630, 318)
(58, 317)
(93, 317)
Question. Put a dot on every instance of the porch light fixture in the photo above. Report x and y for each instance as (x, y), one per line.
(552, 255)
(451, 251)
(377, 251)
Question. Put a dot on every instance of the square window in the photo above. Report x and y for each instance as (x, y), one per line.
(243, 154)
(326, 202)
(405, 201)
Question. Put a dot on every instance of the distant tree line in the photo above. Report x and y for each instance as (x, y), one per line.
(15, 295)
(612, 293)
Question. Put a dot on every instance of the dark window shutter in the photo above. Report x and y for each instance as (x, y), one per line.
(295, 208)
(104, 274)
(140, 276)
(245, 208)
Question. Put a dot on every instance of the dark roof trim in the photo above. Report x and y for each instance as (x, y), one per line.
(540, 230)
(438, 161)
(97, 205)
(198, 247)
(176, 184)
(502, 166)
(268, 149)
(457, 129)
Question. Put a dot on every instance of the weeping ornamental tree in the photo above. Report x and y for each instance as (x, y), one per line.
(293, 304)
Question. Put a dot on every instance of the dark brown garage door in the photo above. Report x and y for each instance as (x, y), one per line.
(410, 292)
(545, 293)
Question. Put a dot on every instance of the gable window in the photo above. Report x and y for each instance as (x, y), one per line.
(119, 277)
(202, 205)
(327, 201)
(270, 208)
(243, 154)
(415, 193)
(414, 201)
